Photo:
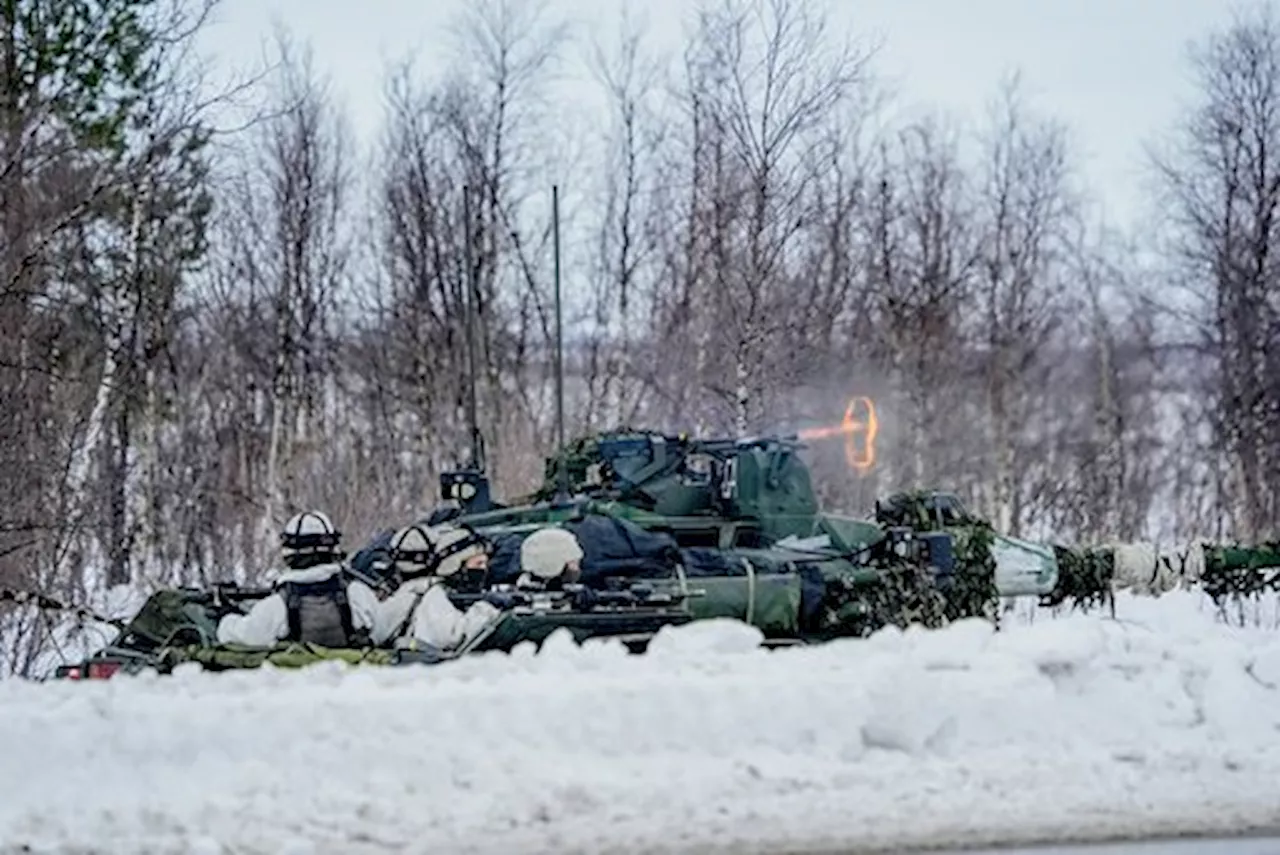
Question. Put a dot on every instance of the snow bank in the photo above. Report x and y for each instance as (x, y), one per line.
(1162, 721)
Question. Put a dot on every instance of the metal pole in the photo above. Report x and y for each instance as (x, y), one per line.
(555, 230)
(468, 308)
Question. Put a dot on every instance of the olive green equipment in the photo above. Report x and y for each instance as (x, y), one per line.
(1236, 572)
(749, 534)
(1086, 579)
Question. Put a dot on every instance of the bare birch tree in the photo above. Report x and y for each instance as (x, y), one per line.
(623, 273)
(480, 129)
(1025, 210)
(284, 241)
(763, 80)
(1221, 179)
(921, 263)
(95, 118)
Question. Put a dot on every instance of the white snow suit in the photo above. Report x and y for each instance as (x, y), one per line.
(420, 614)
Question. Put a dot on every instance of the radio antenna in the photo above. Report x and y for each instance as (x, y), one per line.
(469, 333)
(563, 471)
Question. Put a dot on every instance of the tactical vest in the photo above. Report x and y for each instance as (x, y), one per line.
(319, 613)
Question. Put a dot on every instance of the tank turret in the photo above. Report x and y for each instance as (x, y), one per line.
(706, 492)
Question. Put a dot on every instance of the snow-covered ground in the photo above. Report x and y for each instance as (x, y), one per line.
(1164, 720)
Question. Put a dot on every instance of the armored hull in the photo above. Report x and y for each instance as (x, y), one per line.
(673, 530)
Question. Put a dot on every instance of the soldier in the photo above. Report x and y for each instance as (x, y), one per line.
(311, 602)
(550, 558)
(420, 615)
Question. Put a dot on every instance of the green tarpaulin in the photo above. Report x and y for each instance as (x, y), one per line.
(770, 602)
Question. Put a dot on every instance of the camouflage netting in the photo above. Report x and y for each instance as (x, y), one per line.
(911, 508)
(1085, 578)
(973, 590)
(1236, 573)
(577, 456)
(973, 593)
(907, 595)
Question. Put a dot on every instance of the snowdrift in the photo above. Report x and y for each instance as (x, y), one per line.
(1163, 721)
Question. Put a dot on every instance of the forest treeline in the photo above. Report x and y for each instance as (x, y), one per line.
(206, 327)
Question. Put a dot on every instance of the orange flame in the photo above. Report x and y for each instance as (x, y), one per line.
(860, 456)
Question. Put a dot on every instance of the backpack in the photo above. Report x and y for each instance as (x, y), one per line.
(319, 613)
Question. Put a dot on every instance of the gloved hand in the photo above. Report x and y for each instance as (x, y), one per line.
(502, 600)
(584, 599)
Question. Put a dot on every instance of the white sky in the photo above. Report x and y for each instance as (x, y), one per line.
(1114, 70)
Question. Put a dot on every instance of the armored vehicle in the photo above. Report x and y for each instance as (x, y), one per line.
(673, 529)
(738, 520)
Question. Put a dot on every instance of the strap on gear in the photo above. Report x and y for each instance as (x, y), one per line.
(408, 618)
(334, 588)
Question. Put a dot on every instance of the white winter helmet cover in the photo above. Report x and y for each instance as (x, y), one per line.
(454, 546)
(545, 553)
(412, 550)
(309, 532)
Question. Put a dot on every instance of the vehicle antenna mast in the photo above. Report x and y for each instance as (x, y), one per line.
(469, 331)
(562, 487)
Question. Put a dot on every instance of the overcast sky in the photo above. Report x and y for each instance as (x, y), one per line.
(1113, 69)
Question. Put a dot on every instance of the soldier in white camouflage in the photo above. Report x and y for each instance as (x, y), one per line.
(312, 601)
(550, 558)
(420, 615)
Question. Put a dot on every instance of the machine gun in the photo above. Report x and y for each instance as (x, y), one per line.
(578, 598)
(226, 597)
(622, 462)
(630, 616)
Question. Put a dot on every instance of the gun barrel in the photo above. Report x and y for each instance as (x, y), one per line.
(233, 591)
(729, 446)
(246, 594)
(634, 598)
